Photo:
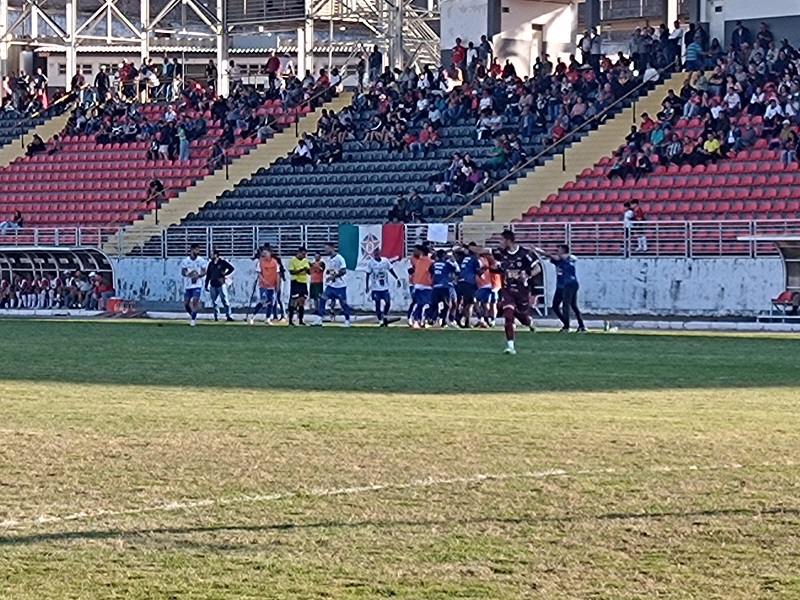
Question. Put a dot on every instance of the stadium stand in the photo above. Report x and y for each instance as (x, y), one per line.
(78, 183)
(363, 186)
(723, 145)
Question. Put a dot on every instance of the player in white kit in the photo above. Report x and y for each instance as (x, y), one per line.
(193, 270)
(378, 270)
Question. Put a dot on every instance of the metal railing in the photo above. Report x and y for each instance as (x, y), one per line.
(678, 239)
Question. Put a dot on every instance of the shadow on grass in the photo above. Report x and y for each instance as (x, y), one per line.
(98, 535)
(373, 360)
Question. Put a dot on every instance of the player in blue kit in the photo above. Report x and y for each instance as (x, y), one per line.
(443, 272)
(469, 267)
(378, 270)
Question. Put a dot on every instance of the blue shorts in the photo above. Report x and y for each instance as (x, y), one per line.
(266, 295)
(453, 294)
(336, 293)
(423, 296)
(380, 295)
(484, 295)
(495, 297)
(190, 293)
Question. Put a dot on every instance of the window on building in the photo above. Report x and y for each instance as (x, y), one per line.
(85, 69)
(62, 69)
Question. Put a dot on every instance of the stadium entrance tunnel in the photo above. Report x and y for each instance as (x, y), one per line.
(43, 261)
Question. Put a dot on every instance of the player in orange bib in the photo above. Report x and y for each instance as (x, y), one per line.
(421, 285)
(268, 277)
(483, 293)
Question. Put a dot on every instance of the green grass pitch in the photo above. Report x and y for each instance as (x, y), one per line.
(145, 461)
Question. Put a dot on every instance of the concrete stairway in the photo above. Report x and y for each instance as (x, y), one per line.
(538, 184)
(211, 187)
(14, 150)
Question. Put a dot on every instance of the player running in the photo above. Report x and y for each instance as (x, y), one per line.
(193, 269)
(268, 277)
(378, 270)
(516, 265)
(336, 288)
(299, 273)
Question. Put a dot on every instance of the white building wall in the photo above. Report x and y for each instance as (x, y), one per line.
(467, 19)
(744, 10)
(559, 24)
(635, 286)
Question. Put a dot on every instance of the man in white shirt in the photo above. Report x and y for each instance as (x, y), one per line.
(378, 270)
(301, 155)
(234, 74)
(733, 101)
(336, 286)
(193, 270)
(773, 111)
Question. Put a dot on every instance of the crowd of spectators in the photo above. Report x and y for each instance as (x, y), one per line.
(25, 94)
(731, 98)
(110, 110)
(72, 289)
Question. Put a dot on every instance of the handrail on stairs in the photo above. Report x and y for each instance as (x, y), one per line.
(157, 198)
(562, 142)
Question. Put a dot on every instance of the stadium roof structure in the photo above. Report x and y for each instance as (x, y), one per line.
(406, 32)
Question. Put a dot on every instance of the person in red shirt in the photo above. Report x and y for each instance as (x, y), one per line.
(647, 125)
(103, 290)
(273, 63)
(459, 55)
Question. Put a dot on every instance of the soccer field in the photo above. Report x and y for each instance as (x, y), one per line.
(145, 461)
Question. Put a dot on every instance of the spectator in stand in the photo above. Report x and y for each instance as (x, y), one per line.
(741, 36)
(183, 143)
(211, 77)
(711, 149)
(36, 146)
(399, 211)
(375, 64)
(485, 51)
(459, 55)
(301, 155)
(14, 224)
(415, 206)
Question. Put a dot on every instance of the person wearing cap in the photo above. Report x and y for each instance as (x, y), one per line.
(216, 284)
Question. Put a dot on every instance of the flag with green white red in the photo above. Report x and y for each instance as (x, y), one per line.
(358, 242)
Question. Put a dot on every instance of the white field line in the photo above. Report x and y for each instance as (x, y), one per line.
(319, 493)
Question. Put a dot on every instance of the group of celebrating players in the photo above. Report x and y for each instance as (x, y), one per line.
(446, 286)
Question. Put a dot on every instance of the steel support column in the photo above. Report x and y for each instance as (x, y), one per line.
(223, 78)
(72, 42)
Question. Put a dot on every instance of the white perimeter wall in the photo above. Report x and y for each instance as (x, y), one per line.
(635, 286)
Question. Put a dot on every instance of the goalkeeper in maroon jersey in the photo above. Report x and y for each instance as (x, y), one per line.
(516, 265)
